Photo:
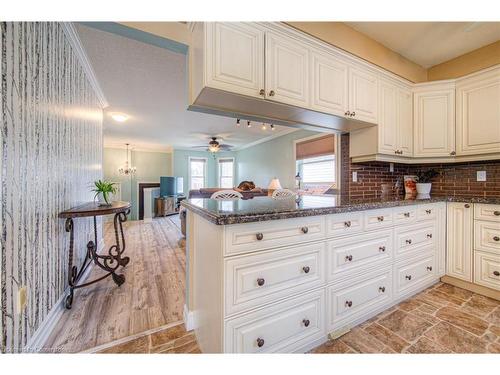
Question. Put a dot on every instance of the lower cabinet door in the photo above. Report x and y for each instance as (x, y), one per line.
(284, 327)
(412, 275)
(487, 269)
(353, 300)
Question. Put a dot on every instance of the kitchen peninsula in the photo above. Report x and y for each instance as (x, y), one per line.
(270, 275)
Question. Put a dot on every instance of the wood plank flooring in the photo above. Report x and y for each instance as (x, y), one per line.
(152, 295)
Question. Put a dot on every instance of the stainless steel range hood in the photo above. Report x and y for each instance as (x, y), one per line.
(223, 103)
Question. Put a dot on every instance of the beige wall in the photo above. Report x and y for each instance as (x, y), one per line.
(471, 62)
(177, 31)
(352, 41)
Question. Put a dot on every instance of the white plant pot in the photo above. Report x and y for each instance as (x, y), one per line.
(424, 190)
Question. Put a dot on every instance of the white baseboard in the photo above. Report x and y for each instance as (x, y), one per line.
(37, 341)
(188, 319)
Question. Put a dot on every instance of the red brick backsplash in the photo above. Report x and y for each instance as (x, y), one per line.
(453, 179)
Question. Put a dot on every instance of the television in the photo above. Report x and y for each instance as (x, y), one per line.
(170, 186)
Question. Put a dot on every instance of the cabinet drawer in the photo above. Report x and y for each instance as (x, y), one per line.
(378, 219)
(241, 238)
(490, 212)
(407, 214)
(257, 279)
(354, 298)
(354, 252)
(487, 269)
(412, 275)
(344, 224)
(283, 327)
(414, 239)
(487, 236)
(427, 212)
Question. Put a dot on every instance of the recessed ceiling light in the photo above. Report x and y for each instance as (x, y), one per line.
(119, 117)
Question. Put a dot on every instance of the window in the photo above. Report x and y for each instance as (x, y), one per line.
(197, 172)
(226, 172)
(319, 170)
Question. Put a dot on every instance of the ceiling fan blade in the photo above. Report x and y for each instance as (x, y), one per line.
(225, 146)
(205, 146)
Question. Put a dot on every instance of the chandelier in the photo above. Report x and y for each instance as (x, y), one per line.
(127, 170)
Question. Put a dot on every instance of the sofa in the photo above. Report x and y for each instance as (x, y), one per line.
(207, 193)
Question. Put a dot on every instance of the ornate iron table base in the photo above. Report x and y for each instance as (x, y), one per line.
(109, 262)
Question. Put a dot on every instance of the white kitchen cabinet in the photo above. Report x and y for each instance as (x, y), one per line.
(329, 83)
(478, 113)
(434, 120)
(235, 57)
(459, 241)
(287, 70)
(395, 125)
(363, 95)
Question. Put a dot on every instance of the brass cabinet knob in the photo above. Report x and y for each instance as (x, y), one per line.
(262, 92)
(304, 230)
(260, 342)
(408, 277)
(496, 213)
(306, 269)
(271, 93)
(429, 268)
(496, 273)
(347, 224)
(348, 258)
(381, 248)
(496, 238)
(467, 205)
(381, 289)
(260, 281)
(453, 153)
(259, 236)
(306, 322)
(348, 303)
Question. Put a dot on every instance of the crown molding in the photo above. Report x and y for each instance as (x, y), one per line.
(76, 43)
(266, 139)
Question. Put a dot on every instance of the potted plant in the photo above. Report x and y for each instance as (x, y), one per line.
(424, 183)
(102, 189)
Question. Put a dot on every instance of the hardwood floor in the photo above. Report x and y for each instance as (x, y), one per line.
(152, 295)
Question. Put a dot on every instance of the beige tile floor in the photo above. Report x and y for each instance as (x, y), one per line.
(441, 319)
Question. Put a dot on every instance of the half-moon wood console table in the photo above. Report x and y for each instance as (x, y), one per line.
(110, 262)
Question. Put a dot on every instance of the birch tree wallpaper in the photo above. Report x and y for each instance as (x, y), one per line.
(50, 152)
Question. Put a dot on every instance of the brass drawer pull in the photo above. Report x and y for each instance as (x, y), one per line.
(408, 242)
(380, 218)
(271, 93)
(467, 205)
(259, 236)
(348, 303)
(262, 92)
(496, 213)
(407, 214)
(429, 268)
(306, 269)
(381, 248)
(261, 282)
(348, 258)
(428, 212)
(429, 235)
(353, 114)
(260, 342)
(408, 277)
(381, 289)
(496, 238)
(347, 224)
(304, 230)
(496, 273)
(306, 322)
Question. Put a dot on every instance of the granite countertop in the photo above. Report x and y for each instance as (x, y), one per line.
(266, 208)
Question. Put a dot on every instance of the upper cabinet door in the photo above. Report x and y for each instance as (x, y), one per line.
(434, 122)
(478, 114)
(388, 118)
(405, 122)
(329, 84)
(287, 68)
(363, 95)
(235, 57)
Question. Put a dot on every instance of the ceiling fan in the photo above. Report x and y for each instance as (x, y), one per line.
(214, 146)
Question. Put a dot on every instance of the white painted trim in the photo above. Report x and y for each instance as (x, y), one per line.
(137, 195)
(76, 43)
(39, 338)
(266, 139)
(189, 321)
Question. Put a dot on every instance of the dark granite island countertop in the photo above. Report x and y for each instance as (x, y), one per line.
(266, 208)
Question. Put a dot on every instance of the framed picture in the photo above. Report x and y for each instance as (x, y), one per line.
(410, 185)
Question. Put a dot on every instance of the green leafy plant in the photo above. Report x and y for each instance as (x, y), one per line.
(104, 188)
(425, 177)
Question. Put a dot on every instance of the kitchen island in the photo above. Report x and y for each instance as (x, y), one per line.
(270, 275)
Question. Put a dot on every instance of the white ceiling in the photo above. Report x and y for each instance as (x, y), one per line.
(150, 85)
(430, 43)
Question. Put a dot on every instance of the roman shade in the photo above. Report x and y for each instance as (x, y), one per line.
(320, 146)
